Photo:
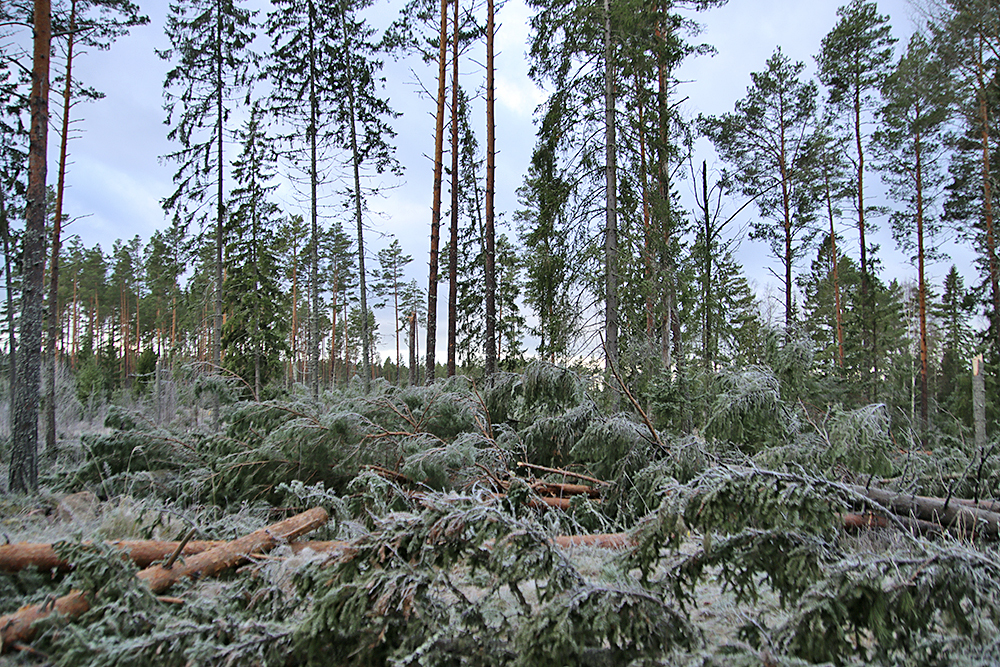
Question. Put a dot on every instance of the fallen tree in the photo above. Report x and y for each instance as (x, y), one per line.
(17, 628)
(953, 514)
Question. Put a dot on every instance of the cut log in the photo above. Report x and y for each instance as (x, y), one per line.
(970, 521)
(15, 557)
(229, 554)
(560, 490)
(17, 628)
(855, 522)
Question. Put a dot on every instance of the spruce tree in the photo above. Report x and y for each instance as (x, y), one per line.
(211, 62)
(254, 334)
(306, 97)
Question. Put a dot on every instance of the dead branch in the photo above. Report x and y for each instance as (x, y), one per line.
(567, 473)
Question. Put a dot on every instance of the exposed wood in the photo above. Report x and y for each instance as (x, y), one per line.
(225, 556)
(970, 521)
(16, 628)
(560, 490)
(15, 557)
(855, 522)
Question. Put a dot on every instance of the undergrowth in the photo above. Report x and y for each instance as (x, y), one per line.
(449, 554)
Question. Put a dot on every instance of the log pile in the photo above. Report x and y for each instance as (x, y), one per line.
(16, 629)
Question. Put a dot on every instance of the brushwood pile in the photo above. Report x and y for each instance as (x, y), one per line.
(525, 521)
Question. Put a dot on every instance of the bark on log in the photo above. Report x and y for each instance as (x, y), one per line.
(16, 557)
(971, 521)
(559, 490)
(225, 556)
(854, 522)
(16, 628)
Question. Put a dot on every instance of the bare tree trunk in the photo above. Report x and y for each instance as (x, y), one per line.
(991, 251)
(24, 445)
(453, 245)
(432, 278)
(220, 214)
(707, 346)
(833, 270)
(11, 339)
(355, 161)
(921, 293)
(313, 333)
(413, 349)
(53, 314)
(490, 269)
(611, 209)
(867, 307)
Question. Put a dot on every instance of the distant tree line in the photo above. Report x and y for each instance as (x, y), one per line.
(602, 261)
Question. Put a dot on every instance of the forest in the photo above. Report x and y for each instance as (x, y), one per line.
(585, 438)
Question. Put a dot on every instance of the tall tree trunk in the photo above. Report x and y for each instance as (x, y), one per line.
(921, 293)
(611, 210)
(707, 347)
(53, 314)
(786, 206)
(24, 445)
(991, 250)
(867, 301)
(453, 245)
(313, 333)
(395, 314)
(413, 348)
(838, 314)
(491, 279)
(220, 214)
(647, 258)
(356, 163)
(11, 342)
(432, 278)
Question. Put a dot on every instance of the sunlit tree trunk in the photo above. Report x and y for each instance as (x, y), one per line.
(53, 314)
(453, 245)
(432, 278)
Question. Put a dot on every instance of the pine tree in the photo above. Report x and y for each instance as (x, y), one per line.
(966, 35)
(362, 129)
(768, 141)
(854, 60)
(211, 66)
(97, 33)
(917, 96)
(24, 435)
(392, 264)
